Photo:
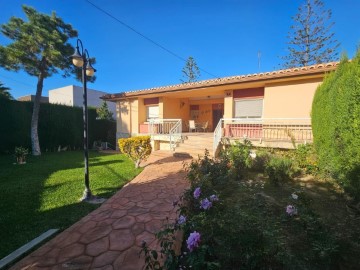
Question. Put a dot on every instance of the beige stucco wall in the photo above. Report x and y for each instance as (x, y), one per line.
(134, 117)
(289, 100)
(128, 118)
(175, 108)
(142, 111)
(123, 119)
(228, 105)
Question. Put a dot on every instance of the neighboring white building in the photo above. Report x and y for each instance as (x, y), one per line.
(73, 96)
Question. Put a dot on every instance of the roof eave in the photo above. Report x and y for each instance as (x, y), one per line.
(288, 74)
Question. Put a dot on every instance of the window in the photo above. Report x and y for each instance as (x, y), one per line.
(152, 112)
(248, 108)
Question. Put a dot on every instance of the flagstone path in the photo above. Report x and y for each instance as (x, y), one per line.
(110, 237)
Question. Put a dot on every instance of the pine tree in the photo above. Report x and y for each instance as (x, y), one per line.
(310, 38)
(40, 47)
(191, 72)
(4, 92)
(104, 113)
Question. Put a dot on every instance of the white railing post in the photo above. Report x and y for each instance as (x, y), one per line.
(175, 133)
(217, 135)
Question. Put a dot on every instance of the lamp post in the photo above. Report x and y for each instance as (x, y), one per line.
(81, 59)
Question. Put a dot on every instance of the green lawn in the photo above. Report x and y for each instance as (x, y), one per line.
(44, 193)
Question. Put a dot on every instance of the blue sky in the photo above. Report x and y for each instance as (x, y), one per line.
(223, 36)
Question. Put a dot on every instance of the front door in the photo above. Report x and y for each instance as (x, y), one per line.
(217, 113)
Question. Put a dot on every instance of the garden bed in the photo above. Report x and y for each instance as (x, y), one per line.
(283, 219)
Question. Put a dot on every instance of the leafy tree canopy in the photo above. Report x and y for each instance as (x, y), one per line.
(310, 38)
(191, 72)
(39, 47)
(4, 92)
(103, 112)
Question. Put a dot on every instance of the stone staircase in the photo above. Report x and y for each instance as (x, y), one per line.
(194, 144)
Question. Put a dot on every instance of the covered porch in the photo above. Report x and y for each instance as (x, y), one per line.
(168, 134)
(196, 113)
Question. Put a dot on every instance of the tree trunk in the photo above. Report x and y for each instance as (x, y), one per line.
(137, 163)
(35, 144)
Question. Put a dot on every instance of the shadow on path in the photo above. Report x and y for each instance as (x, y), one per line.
(110, 237)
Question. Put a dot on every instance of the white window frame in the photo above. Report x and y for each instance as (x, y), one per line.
(249, 116)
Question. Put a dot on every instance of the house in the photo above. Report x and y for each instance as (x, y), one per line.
(270, 108)
(32, 98)
(73, 96)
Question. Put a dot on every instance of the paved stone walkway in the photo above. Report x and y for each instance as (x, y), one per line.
(110, 237)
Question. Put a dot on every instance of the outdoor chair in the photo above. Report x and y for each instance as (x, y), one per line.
(204, 126)
(192, 125)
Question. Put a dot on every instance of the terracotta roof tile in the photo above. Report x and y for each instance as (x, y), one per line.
(226, 80)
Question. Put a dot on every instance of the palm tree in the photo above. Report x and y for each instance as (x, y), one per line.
(4, 92)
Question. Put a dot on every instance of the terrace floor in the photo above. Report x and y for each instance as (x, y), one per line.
(111, 236)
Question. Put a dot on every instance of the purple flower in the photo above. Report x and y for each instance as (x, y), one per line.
(205, 204)
(193, 241)
(197, 193)
(214, 198)
(291, 210)
(181, 220)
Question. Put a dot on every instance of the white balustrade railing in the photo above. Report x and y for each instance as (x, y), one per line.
(170, 127)
(264, 129)
(175, 134)
(217, 136)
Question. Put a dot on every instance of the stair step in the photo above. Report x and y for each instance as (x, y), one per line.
(194, 145)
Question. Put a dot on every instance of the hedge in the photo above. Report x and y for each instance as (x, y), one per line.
(336, 124)
(59, 125)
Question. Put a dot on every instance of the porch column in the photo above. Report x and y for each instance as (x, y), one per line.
(228, 104)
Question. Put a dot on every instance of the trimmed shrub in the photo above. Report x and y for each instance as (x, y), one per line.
(262, 158)
(279, 170)
(306, 158)
(136, 148)
(336, 124)
(239, 156)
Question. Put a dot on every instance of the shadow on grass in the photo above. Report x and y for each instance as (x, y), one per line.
(159, 190)
(30, 205)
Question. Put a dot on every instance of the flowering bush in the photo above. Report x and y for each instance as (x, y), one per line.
(205, 204)
(291, 210)
(193, 241)
(229, 224)
(181, 220)
(197, 193)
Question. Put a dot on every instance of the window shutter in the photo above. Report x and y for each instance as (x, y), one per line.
(152, 112)
(248, 108)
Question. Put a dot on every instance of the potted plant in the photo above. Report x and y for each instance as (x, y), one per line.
(20, 154)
